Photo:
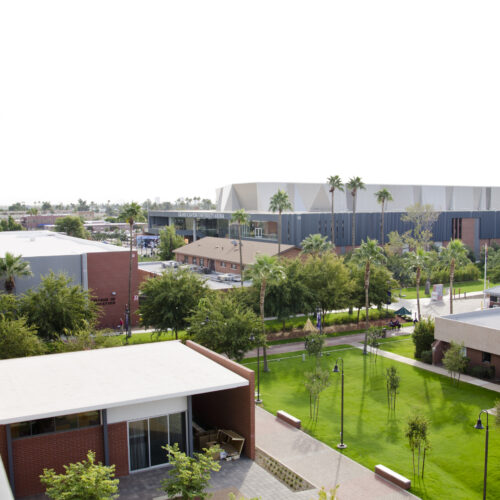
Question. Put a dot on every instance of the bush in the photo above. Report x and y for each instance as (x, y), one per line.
(426, 357)
(469, 272)
(423, 336)
(479, 371)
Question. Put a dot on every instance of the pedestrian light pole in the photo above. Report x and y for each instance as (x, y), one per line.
(341, 445)
(258, 400)
(479, 425)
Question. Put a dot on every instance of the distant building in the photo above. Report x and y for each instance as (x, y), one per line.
(471, 214)
(95, 266)
(223, 255)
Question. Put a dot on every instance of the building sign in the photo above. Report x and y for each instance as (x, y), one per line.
(437, 292)
(202, 215)
(111, 301)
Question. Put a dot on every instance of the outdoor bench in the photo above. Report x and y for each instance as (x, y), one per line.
(289, 419)
(393, 477)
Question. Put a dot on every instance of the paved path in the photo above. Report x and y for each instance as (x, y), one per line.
(432, 368)
(319, 464)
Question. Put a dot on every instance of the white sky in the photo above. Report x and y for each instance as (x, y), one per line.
(125, 100)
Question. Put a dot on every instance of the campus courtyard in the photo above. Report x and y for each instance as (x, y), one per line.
(455, 462)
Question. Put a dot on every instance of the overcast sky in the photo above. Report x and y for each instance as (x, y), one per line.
(128, 100)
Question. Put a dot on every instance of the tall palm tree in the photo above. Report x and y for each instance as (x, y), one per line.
(131, 213)
(417, 261)
(354, 185)
(265, 270)
(367, 255)
(279, 203)
(335, 182)
(315, 244)
(241, 218)
(383, 196)
(12, 267)
(455, 254)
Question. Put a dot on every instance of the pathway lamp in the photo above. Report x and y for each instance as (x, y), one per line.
(479, 425)
(258, 400)
(318, 320)
(341, 445)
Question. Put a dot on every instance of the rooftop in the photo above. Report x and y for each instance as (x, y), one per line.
(58, 384)
(489, 318)
(495, 291)
(228, 250)
(47, 243)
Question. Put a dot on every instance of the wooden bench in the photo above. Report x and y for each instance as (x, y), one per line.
(393, 477)
(289, 419)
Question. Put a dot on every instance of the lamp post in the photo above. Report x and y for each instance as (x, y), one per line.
(258, 400)
(341, 445)
(479, 425)
(318, 320)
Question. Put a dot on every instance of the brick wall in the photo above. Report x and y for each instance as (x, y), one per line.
(118, 447)
(107, 273)
(232, 409)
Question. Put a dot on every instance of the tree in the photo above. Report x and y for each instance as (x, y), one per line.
(374, 335)
(423, 336)
(18, 340)
(417, 434)
(82, 206)
(392, 383)
(354, 185)
(280, 203)
(33, 211)
(334, 182)
(10, 224)
(223, 325)
(170, 298)
(19, 206)
(367, 255)
(47, 207)
(12, 267)
(266, 269)
(383, 196)
(9, 306)
(422, 218)
(84, 480)
(316, 382)
(315, 244)
(56, 307)
(314, 345)
(418, 260)
(241, 218)
(131, 213)
(455, 254)
(72, 225)
(169, 241)
(189, 477)
(455, 360)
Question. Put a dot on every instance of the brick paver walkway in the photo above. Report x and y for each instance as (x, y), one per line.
(319, 464)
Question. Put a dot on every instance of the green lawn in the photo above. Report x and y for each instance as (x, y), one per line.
(465, 286)
(402, 345)
(454, 467)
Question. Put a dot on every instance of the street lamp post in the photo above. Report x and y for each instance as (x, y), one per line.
(258, 400)
(341, 445)
(319, 325)
(479, 425)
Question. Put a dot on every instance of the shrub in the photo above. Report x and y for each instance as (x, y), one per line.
(479, 371)
(426, 357)
(423, 336)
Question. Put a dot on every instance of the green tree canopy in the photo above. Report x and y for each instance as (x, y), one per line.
(454, 255)
(72, 225)
(354, 185)
(315, 244)
(57, 307)
(241, 218)
(169, 299)
(336, 184)
(10, 224)
(422, 218)
(169, 241)
(18, 340)
(220, 323)
(383, 196)
(280, 202)
(12, 267)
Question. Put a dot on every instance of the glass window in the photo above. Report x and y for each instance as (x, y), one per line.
(66, 422)
(178, 430)
(89, 418)
(42, 426)
(138, 444)
(222, 264)
(202, 261)
(486, 357)
(158, 437)
(22, 429)
(194, 260)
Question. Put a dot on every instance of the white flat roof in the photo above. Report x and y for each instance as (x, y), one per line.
(489, 318)
(58, 384)
(48, 243)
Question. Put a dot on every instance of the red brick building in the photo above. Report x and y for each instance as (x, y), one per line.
(124, 403)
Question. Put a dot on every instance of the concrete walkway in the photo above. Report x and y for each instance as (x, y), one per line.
(318, 463)
(432, 368)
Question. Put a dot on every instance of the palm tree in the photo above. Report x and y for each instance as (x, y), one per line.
(455, 254)
(368, 254)
(383, 196)
(240, 217)
(335, 183)
(354, 184)
(279, 203)
(265, 270)
(315, 244)
(131, 213)
(417, 260)
(12, 267)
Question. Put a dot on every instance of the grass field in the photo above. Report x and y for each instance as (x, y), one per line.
(465, 286)
(402, 345)
(454, 466)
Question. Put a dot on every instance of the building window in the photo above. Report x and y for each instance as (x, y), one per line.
(194, 260)
(233, 266)
(202, 261)
(456, 228)
(222, 263)
(55, 424)
(186, 259)
(486, 357)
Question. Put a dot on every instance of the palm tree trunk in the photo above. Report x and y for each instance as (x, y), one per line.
(279, 234)
(367, 302)
(418, 292)
(353, 221)
(333, 218)
(261, 303)
(129, 329)
(241, 256)
(382, 226)
(452, 276)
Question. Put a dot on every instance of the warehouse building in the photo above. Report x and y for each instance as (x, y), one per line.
(469, 213)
